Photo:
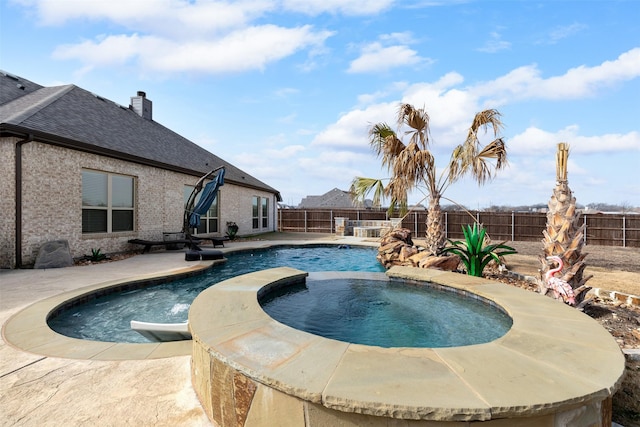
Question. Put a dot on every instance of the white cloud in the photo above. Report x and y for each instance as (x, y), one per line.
(563, 32)
(371, 98)
(376, 58)
(351, 129)
(181, 35)
(450, 109)
(157, 16)
(283, 152)
(537, 141)
(495, 44)
(452, 106)
(390, 51)
(346, 7)
(287, 119)
(286, 92)
(247, 49)
(526, 82)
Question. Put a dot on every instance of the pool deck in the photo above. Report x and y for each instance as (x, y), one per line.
(106, 386)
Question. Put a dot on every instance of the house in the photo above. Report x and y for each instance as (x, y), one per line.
(334, 199)
(79, 167)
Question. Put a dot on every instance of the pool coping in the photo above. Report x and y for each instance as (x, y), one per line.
(553, 357)
(28, 330)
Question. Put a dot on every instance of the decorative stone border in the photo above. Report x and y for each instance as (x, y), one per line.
(555, 366)
(599, 292)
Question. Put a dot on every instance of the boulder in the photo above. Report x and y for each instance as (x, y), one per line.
(54, 254)
(417, 258)
(447, 263)
(406, 252)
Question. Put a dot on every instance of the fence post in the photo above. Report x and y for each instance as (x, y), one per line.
(584, 220)
(624, 231)
(446, 225)
(331, 221)
(305, 221)
(513, 226)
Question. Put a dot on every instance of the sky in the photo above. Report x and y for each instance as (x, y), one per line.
(287, 90)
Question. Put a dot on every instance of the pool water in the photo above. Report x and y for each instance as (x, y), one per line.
(386, 314)
(107, 318)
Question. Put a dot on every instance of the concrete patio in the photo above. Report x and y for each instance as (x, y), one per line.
(43, 390)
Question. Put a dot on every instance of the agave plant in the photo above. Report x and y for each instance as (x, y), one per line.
(97, 255)
(473, 252)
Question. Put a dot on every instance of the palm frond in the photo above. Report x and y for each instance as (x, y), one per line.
(417, 120)
(385, 143)
(361, 187)
(480, 162)
(486, 118)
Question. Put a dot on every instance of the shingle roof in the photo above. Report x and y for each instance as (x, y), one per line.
(73, 117)
(335, 198)
(13, 87)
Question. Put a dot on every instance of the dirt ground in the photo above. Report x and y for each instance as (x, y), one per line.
(613, 269)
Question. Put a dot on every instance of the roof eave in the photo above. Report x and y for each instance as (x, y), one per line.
(7, 129)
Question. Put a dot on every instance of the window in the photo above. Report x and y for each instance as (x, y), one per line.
(260, 211)
(255, 213)
(107, 202)
(209, 221)
(265, 212)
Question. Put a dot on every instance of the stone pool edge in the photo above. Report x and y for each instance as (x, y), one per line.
(28, 329)
(536, 371)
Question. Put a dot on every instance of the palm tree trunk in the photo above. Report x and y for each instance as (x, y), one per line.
(435, 228)
(564, 235)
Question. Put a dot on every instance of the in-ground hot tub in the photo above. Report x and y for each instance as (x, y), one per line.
(555, 366)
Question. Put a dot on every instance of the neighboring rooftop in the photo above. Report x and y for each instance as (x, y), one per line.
(335, 198)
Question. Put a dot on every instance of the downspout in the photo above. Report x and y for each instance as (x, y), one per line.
(18, 186)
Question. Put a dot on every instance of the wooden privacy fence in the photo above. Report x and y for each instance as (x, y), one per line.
(601, 229)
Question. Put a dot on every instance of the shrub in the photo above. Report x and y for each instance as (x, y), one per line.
(475, 255)
(232, 230)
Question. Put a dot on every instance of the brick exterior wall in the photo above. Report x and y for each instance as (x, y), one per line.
(7, 201)
(52, 201)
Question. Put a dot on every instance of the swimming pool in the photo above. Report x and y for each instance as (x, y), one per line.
(386, 313)
(107, 317)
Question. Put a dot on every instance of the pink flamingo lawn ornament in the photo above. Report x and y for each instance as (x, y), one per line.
(560, 288)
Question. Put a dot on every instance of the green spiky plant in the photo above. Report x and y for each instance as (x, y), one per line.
(96, 255)
(473, 252)
(232, 230)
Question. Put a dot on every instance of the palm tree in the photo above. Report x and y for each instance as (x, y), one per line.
(412, 165)
(564, 233)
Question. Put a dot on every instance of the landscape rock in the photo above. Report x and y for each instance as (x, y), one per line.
(396, 248)
(54, 254)
(447, 263)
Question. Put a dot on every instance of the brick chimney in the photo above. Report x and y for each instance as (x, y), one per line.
(141, 105)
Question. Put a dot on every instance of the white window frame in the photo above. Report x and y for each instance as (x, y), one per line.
(264, 211)
(255, 212)
(110, 208)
